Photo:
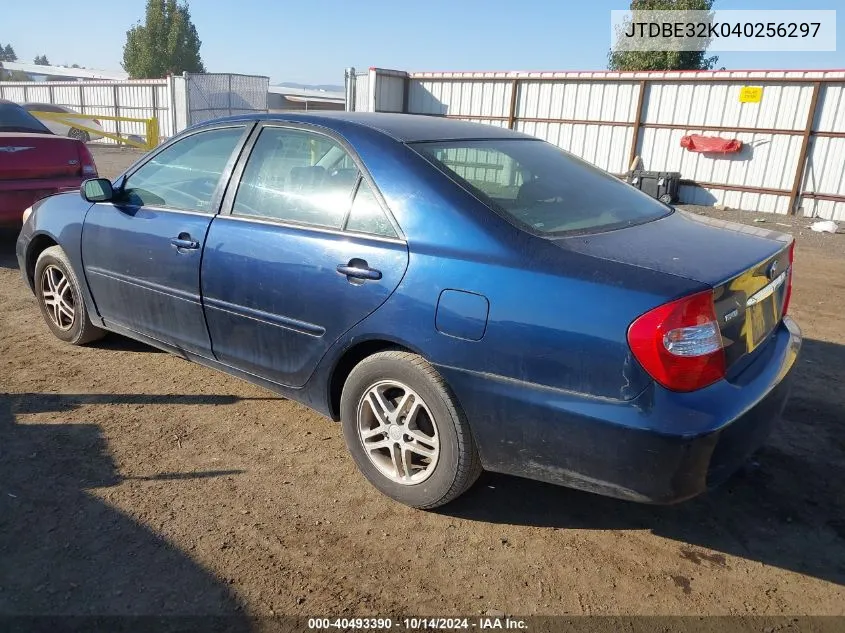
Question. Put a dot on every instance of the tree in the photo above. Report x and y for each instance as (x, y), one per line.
(167, 42)
(7, 54)
(41, 60)
(664, 60)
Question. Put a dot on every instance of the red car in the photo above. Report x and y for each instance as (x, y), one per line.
(35, 163)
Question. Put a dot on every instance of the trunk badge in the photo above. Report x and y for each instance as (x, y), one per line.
(73, 162)
(11, 149)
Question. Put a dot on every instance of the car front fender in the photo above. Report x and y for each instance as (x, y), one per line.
(57, 219)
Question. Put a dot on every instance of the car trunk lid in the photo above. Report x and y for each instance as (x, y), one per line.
(750, 305)
(748, 268)
(37, 156)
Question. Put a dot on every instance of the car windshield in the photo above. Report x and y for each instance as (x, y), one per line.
(541, 188)
(13, 118)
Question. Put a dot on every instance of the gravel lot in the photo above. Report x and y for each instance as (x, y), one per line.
(132, 482)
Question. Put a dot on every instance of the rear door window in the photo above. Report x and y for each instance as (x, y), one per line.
(367, 216)
(297, 176)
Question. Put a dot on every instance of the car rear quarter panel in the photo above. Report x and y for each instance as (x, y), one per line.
(565, 330)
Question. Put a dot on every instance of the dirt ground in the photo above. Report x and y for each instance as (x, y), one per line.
(133, 482)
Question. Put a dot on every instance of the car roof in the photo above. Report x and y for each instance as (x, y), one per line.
(401, 127)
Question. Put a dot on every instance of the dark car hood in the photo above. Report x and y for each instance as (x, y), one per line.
(683, 244)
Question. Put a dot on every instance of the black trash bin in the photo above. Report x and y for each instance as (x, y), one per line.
(663, 185)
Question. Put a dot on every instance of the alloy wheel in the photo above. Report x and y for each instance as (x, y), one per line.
(57, 295)
(398, 432)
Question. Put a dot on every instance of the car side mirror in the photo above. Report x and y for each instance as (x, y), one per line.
(97, 190)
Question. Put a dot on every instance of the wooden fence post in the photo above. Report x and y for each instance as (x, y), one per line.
(802, 155)
(635, 137)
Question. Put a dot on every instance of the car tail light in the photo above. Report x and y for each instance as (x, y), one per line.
(86, 161)
(788, 292)
(679, 343)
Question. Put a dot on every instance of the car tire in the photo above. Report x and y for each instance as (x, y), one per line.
(59, 296)
(79, 135)
(422, 454)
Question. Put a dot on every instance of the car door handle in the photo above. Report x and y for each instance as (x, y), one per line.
(184, 241)
(358, 270)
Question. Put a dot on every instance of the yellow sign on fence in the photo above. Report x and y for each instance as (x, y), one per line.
(751, 94)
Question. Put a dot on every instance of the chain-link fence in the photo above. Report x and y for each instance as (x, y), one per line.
(214, 95)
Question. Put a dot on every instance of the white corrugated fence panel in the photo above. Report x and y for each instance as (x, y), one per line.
(824, 209)
(580, 101)
(766, 160)
(747, 201)
(389, 90)
(180, 103)
(362, 92)
(597, 144)
(423, 99)
(831, 117)
(825, 175)
(691, 76)
(783, 106)
(467, 98)
(826, 168)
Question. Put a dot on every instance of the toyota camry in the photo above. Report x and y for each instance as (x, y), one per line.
(459, 296)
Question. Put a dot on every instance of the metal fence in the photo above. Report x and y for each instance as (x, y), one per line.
(357, 85)
(793, 156)
(177, 101)
(213, 95)
(140, 99)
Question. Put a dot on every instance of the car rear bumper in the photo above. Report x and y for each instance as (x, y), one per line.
(17, 195)
(661, 447)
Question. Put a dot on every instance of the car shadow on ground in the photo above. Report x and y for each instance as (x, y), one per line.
(41, 402)
(65, 551)
(787, 509)
(118, 343)
(8, 237)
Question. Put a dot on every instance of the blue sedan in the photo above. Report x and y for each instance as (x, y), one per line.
(460, 297)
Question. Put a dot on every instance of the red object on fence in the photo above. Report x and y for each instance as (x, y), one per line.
(711, 144)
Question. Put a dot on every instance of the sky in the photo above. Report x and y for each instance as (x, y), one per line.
(312, 41)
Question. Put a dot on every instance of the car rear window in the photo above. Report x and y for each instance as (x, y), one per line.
(541, 188)
(13, 118)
